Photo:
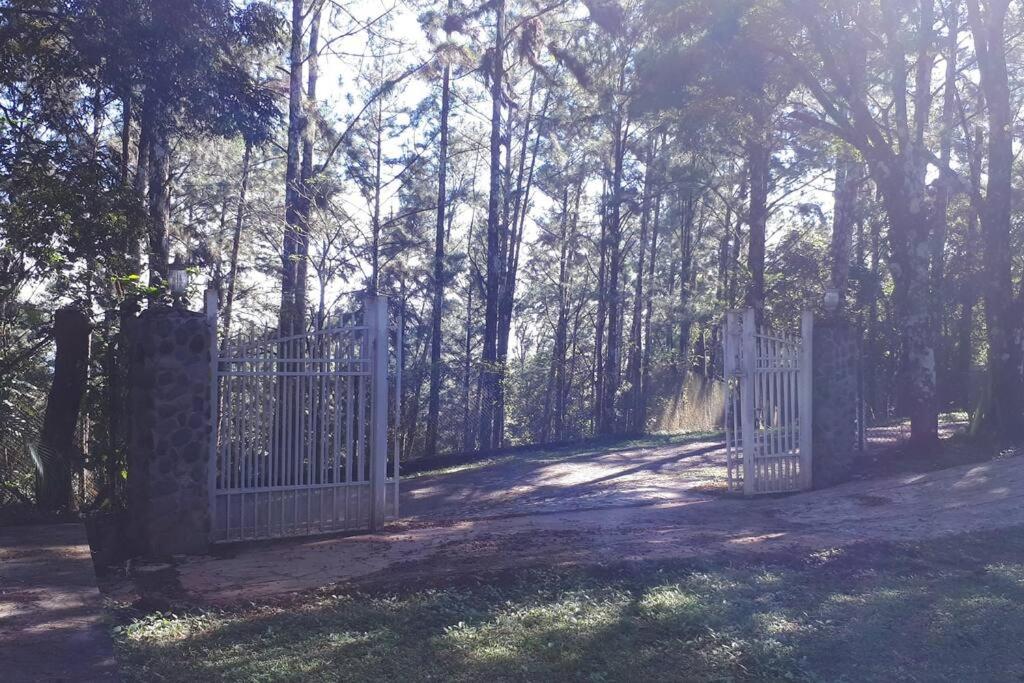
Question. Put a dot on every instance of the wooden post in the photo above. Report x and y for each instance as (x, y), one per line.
(377, 327)
(211, 305)
(748, 381)
(806, 403)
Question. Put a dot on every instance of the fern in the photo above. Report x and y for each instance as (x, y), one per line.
(21, 456)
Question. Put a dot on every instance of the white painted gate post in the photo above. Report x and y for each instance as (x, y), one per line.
(211, 305)
(377, 327)
(730, 373)
(748, 381)
(806, 401)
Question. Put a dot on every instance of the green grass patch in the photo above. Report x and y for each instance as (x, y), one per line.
(942, 610)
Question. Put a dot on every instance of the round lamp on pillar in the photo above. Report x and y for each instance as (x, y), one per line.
(178, 276)
(831, 300)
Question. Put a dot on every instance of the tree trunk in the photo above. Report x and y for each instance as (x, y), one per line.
(943, 193)
(565, 382)
(288, 318)
(553, 402)
(563, 377)
(305, 198)
(844, 219)
(1002, 412)
(488, 371)
(561, 323)
(159, 218)
(602, 317)
(142, 160)
(635, 371)
(153, 170)
(722, 278)
(468, 433)
(236, 238)
(908, 234)
(612, 364)
(57, 453)
(375, 217)
(759, 159)
(126, 138)
(900, 177)
(968, 289)
(871, 353)
(648, 354)
(516, 228)
(686, 281)
(131, 242)
(434, 400)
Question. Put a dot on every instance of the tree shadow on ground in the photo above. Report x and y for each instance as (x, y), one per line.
(942, 610)
(520, 486)
(540, 454)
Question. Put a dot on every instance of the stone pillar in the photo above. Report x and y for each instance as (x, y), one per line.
(835, 370)
(169, 432)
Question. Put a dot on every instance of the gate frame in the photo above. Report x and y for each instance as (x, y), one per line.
(741, 348)
(211, 305)
(376, 321)
(376, 318)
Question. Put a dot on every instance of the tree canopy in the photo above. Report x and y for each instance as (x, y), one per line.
(561, 199)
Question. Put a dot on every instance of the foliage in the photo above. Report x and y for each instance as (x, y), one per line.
(643, 146)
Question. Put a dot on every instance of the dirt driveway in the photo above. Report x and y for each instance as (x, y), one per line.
(656, 470)
(613, 505)
(51, 614)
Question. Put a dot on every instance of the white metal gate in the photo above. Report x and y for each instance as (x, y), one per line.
(301, 439)
(768, 405)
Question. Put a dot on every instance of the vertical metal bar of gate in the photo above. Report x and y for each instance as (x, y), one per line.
(377, 320)
(211, 307)
(748, 382)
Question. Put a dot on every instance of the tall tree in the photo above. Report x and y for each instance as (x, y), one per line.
(292, 286)
(489, 374)
(829, 65)
(1003, 411)
(844, 218)
(437, 311)
(635, 365)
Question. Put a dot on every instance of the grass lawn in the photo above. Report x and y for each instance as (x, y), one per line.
(942, 610)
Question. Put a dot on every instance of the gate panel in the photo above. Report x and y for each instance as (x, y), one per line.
(768, 406)
(301, 444)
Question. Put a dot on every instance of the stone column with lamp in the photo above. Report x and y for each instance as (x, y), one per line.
(835, 374)
(170, 426)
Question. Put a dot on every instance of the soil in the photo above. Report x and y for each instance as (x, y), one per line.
(603, 507)
(51, 614)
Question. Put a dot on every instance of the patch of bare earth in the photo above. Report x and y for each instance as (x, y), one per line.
(608, 507)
